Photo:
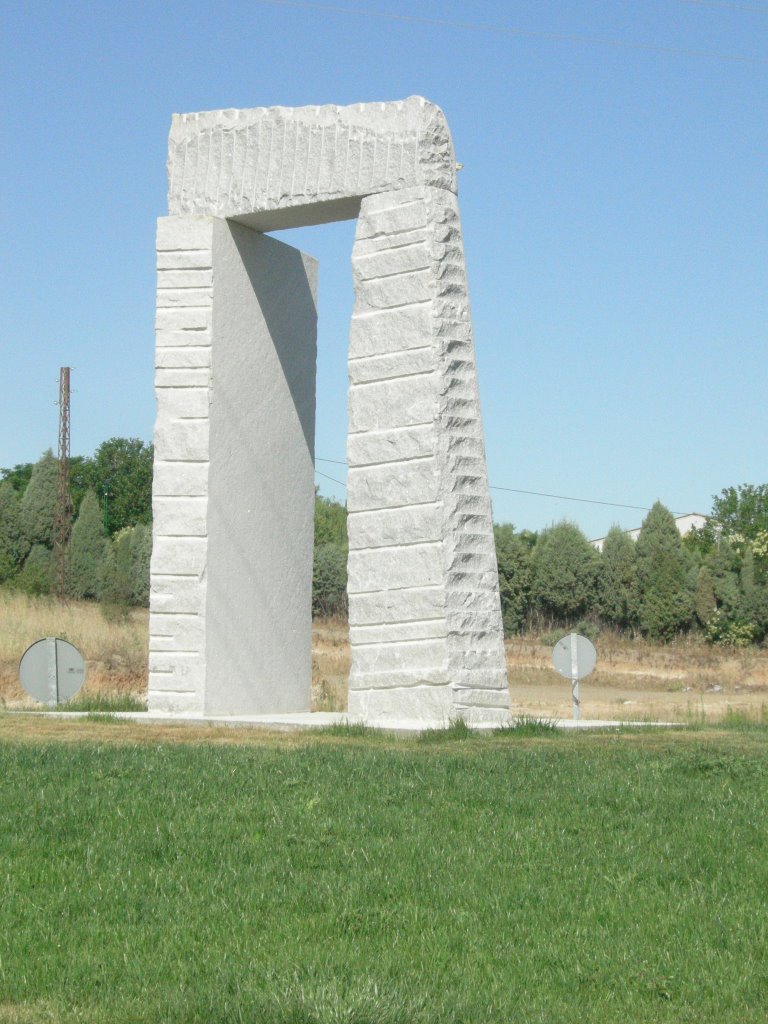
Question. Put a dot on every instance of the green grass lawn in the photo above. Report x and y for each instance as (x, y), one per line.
(362, 880)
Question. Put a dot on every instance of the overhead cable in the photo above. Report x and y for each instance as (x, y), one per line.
(515, 490)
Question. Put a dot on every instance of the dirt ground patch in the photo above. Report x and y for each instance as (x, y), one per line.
(633, 679)
(682, 681)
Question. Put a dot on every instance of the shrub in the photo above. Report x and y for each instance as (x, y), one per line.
(329, 580)
(728, 633)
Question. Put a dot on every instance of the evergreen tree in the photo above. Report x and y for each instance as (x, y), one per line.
(513, 556)
(617, 593)
(724, 563)
(38, 504)
(141, 553)
(117, 574)
(88, 550)
(37, 573)
(565, 567)
(666, 607)
(754, 593)
(13, 547)
(704, 601)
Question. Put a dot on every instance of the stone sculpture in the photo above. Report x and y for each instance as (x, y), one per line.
(233, 497)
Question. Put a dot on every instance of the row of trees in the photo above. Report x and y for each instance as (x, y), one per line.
(119, 473)
(111, 539)
(714, 580)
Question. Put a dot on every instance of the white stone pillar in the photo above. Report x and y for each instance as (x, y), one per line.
(233, 494)
(425, 620)
(233, 497)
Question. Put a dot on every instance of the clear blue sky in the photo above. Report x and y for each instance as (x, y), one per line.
(613, 200)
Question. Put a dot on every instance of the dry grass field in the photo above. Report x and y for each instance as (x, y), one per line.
(633, 680)
(684, 681)
(115, 651)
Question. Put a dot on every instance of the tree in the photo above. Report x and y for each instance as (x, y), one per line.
(513, 556)
(121, 468)
(666, 606)
(330, 522)
(754, 593)
(740, 512)
(565, 567)
(704, 601)
(88, 550)
(80, 480)
(125, 573)
(724, 562)
(36, 575)
(39, 501)
(18, 477)
(118, 579)
(13, 547)
(617, 588)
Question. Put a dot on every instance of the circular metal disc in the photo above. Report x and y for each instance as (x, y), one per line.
(574, 656)
(52, 670)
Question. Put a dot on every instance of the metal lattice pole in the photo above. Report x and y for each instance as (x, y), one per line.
(62, 520)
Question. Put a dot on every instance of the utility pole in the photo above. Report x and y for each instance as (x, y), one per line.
(62, 519)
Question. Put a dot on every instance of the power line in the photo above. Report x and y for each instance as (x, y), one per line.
(519, 33)
(333, 478)
(569, 497)
(515, 490)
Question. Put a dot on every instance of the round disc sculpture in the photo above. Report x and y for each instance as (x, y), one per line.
(233, 497)
(52, 670)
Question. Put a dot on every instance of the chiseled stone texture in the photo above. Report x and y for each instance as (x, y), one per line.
(260, 164)
(231, 568)
(425, 620)
(233, 501)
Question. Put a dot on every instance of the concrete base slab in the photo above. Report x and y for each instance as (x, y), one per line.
(306, 720)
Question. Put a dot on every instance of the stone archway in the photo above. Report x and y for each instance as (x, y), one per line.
(230, 604)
